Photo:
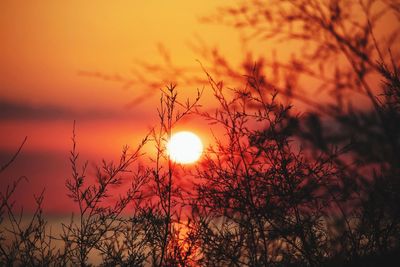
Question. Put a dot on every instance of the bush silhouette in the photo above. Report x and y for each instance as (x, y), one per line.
(279, 188)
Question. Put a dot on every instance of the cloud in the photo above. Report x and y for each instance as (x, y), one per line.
(24, 111)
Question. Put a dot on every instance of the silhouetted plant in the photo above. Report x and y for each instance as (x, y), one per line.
(24, 241)
(166, 193)
(99, 222)
(277, 187)
(265, 201)
(359, 146)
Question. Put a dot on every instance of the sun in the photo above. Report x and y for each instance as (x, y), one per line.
(184, 147)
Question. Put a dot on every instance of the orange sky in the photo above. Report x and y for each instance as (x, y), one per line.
(45, 47)
(46, 44)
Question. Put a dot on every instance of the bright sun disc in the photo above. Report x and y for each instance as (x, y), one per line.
(184, 147)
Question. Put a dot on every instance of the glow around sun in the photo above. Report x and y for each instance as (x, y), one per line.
(184, 147)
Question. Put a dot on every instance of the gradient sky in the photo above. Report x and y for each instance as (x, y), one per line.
(47, 49)
(47, 45)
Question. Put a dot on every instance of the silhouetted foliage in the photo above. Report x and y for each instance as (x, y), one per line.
(278, 187)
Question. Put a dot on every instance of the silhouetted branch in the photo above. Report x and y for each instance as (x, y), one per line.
(14, 156)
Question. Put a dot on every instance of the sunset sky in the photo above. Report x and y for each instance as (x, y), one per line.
(45, 48)
(48, 50)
